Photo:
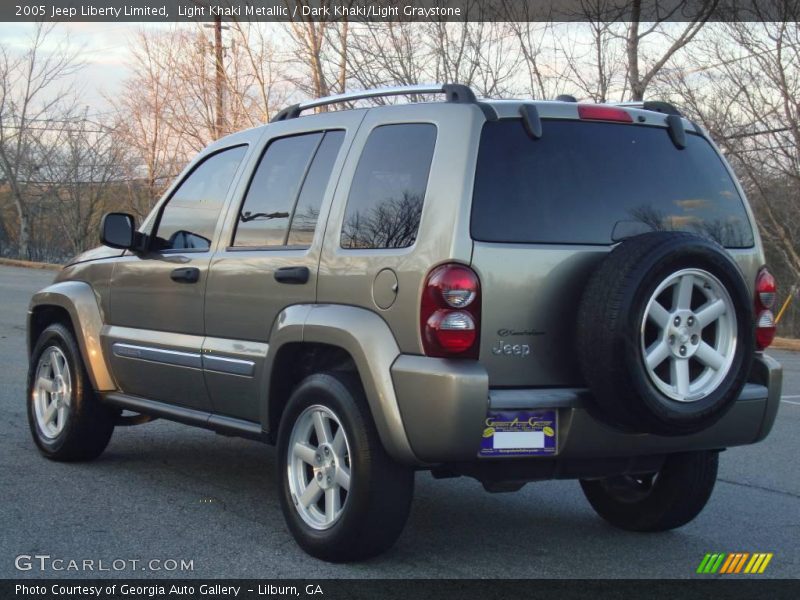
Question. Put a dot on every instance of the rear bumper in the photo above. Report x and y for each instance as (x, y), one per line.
(444, 403)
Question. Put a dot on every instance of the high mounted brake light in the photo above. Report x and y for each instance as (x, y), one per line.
(764, 301)
(598, 112)
(450, 312)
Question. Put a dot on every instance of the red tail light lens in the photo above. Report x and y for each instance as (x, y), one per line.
(598, 112)
(766, 290)
(450, 312)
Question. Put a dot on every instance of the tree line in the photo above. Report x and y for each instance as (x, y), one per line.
(62, 167)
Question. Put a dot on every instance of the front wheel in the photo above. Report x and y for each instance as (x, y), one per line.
(67, 420)
(659, 501)
(342, 496)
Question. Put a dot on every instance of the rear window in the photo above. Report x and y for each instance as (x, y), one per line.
(597, 183)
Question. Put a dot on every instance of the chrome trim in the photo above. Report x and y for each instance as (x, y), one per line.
(158, 355)
(229, 366)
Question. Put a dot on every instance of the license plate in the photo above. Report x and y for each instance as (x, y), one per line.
(520, 433)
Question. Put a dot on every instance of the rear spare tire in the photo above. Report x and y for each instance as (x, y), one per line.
(665, 333)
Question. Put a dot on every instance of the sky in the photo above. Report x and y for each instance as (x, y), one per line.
(103, 49)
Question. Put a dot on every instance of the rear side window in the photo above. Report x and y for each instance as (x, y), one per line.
(597, 183)
(385, 202)
(283, 200)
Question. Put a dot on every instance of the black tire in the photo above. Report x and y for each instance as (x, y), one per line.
(675, 496)
(379, 497)
(609, 327)
(88, 423)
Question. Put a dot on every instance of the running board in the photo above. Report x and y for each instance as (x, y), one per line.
(189, 416)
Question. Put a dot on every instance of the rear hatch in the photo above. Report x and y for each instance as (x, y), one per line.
(546, 211)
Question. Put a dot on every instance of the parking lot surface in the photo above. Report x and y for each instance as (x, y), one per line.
(164, 491)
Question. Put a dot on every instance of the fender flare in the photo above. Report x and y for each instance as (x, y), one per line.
(78, 299)
(354, 330)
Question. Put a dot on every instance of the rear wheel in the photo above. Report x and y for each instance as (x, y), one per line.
(342, 496)
(659, 501)
(67, 420)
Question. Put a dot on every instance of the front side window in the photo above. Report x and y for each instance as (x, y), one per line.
(190, 216)
(385, 202)
(283, 201)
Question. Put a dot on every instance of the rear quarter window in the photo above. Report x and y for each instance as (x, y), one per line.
(596, 183)
(384, 206)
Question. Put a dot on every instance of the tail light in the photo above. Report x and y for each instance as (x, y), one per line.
(450, 313)
(598, 112)
(764, 302)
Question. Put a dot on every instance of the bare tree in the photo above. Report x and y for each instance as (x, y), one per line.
(656, 22)
(83, 173)
(381, 54)
(33, 99)
(144, 125)
(257, 82)
(479, 54)
(320, 49)
(768, 83)
(593, 52)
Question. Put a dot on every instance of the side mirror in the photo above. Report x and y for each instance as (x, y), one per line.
(118, 230)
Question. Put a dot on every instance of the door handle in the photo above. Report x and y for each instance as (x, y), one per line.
(185, 275)
(292, 275)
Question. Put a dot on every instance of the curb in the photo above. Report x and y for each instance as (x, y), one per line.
(786, 344)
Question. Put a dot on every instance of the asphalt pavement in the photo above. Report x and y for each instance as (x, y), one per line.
(164, 491)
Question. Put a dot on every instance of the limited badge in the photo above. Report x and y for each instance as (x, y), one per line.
(520, 433)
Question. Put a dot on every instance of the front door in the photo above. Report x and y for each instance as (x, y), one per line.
(155, 323)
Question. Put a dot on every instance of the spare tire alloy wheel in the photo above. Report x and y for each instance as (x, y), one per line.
(319, 467)
(52, 392)
(664, 334)
(688, 335)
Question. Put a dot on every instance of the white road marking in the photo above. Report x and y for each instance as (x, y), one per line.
(790, 402)
(790, 396)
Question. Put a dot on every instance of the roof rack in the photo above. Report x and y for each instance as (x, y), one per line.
(454, 92)
(654, 105)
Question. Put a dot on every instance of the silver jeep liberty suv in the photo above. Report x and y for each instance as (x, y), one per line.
(508, 290)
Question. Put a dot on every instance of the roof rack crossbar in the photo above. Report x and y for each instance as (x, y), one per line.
(454, 92)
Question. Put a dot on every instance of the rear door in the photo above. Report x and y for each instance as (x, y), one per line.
(546, 211)
(270, 253)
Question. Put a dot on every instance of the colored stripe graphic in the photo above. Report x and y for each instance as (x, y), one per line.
(711, 563)
(741, 562)
(718, 563)
(728, 564)
(754, 561)
(703, 563)
(765, 563)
